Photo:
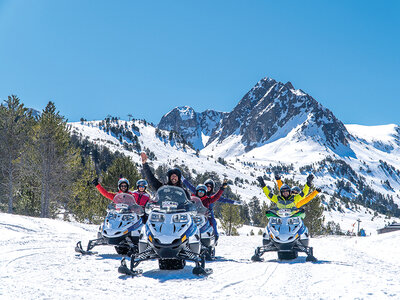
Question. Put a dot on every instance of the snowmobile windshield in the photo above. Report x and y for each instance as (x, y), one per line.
(171, 199)
(200, 208)
(125, 203)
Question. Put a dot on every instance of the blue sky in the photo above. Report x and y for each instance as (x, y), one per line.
(94, 58)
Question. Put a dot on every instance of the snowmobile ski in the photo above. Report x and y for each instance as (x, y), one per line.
(199, 271)
(123, 269)
(79, 249)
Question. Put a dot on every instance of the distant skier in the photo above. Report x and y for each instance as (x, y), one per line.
(286, 199)
(174, 176)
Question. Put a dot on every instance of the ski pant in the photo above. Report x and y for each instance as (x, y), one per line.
(213, 223)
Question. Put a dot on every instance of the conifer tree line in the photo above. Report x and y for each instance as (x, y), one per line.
(46, 172)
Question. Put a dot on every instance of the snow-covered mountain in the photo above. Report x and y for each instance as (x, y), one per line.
(195, 127)
(271, 110)
(353, 164)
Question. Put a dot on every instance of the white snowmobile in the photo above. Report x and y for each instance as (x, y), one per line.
(121, 227)
(285, 234)
(207, 234)
(170, 234)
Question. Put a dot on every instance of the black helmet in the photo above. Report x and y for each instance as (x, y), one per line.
(210, 182)
(296, 189)
(141, 182)
(285, 187)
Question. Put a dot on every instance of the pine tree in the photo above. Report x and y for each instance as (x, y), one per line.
(314, 216)
(245, 213)
(54, 161)
(15, 134)
(230, 218)
(121, 166)
(255, 211)
(88, 205)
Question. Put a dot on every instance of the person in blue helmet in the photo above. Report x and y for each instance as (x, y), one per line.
(210, 184)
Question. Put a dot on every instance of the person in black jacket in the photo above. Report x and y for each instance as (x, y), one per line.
(174, 176)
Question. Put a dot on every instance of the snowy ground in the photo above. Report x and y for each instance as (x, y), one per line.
(37, 261)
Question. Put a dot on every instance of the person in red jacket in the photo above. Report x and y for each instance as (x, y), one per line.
(123, 187)
(207, 200)
(141, 196)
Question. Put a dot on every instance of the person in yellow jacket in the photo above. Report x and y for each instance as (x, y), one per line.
(286, 199)
(296, 190)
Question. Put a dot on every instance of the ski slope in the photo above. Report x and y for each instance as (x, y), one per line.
(37, 261)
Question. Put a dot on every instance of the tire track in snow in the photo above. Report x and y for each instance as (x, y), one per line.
(246, 280)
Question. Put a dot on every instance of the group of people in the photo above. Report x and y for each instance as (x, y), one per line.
(288, 198)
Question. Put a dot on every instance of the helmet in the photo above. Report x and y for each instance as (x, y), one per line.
(123, 180)
(141, 182)
(175, 171)
(285, 187)
(201, 187)
(296, 190)
(210, 182)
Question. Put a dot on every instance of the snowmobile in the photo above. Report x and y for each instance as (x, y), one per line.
(170, 234)
(286, 234)
(207, 234)
(121, 227)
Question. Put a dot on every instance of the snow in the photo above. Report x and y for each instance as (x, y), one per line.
(384, 133)
(186, 112)
(37, 261)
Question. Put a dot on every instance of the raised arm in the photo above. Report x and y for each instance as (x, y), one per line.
(102, 190)
(191, 187)
(308, 198)
(278, 180)
(307, 186)
(266, 191)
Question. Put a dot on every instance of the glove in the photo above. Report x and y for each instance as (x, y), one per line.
(261, 181)
(310, 179)
(225, 183)
(277, 176)
(318, 190)
(143, 156)
(95, 182)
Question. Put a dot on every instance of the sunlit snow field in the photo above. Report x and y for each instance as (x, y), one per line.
(37, 261)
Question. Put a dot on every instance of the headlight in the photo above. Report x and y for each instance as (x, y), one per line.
(294, 221)
(127, 218)
(181, 218)
(198, 219)
(275, 221)
(157, 218)
(111, 216)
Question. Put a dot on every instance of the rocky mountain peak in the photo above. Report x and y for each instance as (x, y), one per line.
(272, 109)
(193, 126)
